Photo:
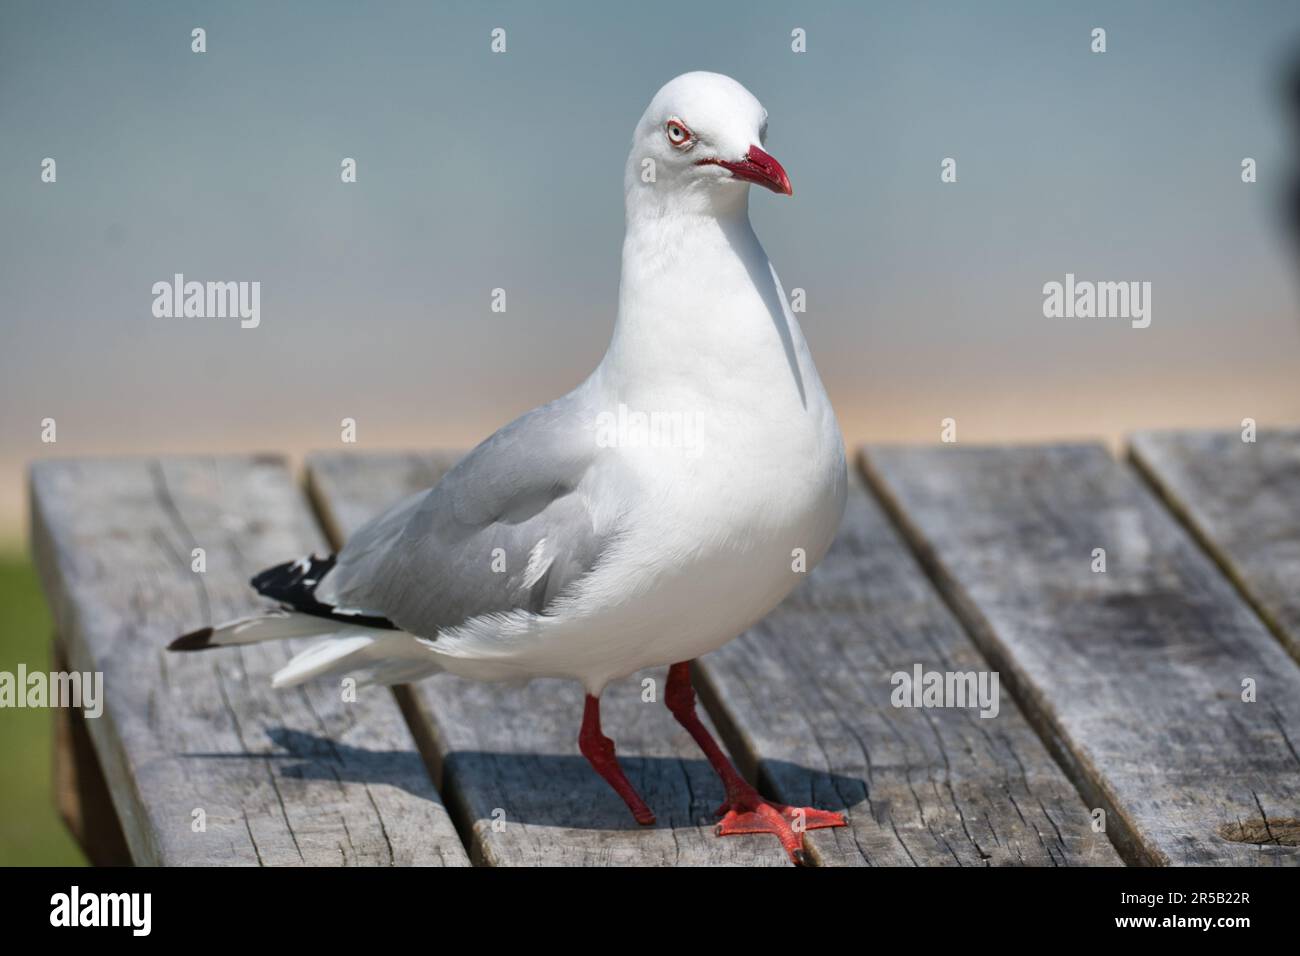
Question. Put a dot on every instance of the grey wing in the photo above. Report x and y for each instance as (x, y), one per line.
(508, 528)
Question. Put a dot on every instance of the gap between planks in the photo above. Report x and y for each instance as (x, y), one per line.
(282, 778)
(423, 731)
(1169, 609)
(1085, 780)
(1167, 462)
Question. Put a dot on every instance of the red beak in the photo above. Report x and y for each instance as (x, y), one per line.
(759, 168)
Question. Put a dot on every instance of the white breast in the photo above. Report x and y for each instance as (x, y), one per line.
(721, 532)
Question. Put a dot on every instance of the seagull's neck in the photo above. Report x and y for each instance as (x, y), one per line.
(696, 297)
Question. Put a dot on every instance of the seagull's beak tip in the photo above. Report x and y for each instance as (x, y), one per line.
(758, 168)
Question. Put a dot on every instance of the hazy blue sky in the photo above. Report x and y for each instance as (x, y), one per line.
(479, 170)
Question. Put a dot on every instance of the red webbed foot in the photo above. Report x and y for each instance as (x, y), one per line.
(753, 814)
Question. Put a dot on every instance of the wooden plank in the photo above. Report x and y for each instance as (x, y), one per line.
(507, 756)
(809, 690)
(1135, 674)
(1242, 502)
(298, 777)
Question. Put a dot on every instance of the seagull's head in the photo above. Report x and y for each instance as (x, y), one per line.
(701, 139)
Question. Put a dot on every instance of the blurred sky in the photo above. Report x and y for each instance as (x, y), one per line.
(479, 171)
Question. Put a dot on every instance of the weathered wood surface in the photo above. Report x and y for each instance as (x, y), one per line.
(1136, 673)
(1242, 501)
(808, 690)
(296, 777)
(506, 756)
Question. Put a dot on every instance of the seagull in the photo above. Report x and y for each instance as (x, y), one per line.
(649, 516)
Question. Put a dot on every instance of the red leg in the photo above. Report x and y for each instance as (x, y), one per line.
(599, 751)
(745, 810)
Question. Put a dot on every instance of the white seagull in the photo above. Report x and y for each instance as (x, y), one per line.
(647, 517)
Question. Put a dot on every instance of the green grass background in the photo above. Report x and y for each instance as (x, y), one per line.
(31, 833)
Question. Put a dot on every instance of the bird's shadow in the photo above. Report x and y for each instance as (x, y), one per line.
(554, 790)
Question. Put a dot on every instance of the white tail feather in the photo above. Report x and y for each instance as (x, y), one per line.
(373, 655)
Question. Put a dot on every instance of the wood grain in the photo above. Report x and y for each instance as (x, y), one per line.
(1135, 675)
(1242, 502)
(803, 702)
(295, 777)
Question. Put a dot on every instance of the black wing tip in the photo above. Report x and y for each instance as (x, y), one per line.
(292, 578)
(293, 585)
(193, 641)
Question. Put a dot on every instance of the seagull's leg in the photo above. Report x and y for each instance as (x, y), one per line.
(744, 810)
(599, 751)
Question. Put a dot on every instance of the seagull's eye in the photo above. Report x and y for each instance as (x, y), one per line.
(678, 134)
